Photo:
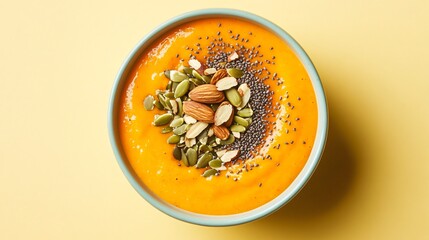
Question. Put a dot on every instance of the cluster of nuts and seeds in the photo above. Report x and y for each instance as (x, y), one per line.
(216, 111)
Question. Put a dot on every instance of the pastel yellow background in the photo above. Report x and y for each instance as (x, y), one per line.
(60, 180)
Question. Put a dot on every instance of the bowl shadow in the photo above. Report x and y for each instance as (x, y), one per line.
(329, 184)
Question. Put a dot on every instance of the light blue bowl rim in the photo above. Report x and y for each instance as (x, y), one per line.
(219, 220)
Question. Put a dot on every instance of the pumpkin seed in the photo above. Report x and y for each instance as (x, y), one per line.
(177, 153)
(237, 128)
(243, 122)
(163, 119)
(187, 70)
(209, 172)
(203, 149)
(181, 130)
(249, 120)
(163, 102)
(228, 141)
(169, 95)
(166, 130)
(173, 139)
(245, 112)
(216, 163)
(214, 106)
(182, 89)
(169, 85)
(176, 122)
(159, 105)
(167, 73)
(233, 96)
(184, 158)
(196, 81)
(191, 154)
(235, 72)
(197, 75)
(174, 86)
(148, 103)
(204, 160)
(177, 76)
(180, 107)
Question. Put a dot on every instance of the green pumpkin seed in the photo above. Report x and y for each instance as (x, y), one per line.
(238, 128)
(169, 95)
(203, 149)
(163, 101)
(191, 154)
(179, 106)
(249, 120)
(169, 85)
(233, 97)
(167, 73)
(176, 122)
(182, 89)
(204, 160)
(163, 119)
(187, 70)
(177, 76)
(245, 112)
(177, 153)
(203, 78)
(159, 105)
(148, 103)
(228, 141)
(196, 81)
(209, 172)
(166, 130)
(184, 158)
(243, 122)
(173, 139)
(174, 86)
(235, 72)
(216, 163)
(181, 130)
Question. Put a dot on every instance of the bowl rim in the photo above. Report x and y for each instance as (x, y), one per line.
(232, 219)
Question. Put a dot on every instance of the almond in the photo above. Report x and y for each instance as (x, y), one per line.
(229, 122)
(244, 92)
(223, 113)
(226, 83)
(197, 65)
(228, 156)
(233, 56)
(210, 71)
(221, 132)
(221, 73)
(206, 93)
(199, 111)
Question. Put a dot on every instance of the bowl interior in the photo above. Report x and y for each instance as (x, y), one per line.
(218, 220)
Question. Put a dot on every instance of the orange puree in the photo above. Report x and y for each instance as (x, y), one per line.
(151, 157)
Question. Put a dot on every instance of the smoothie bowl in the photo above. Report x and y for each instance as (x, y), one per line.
(217, 117)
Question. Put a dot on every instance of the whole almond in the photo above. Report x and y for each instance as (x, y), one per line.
(221, 132)
(223, 113)
(206, 93)
(221, 73)
(199, 111)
